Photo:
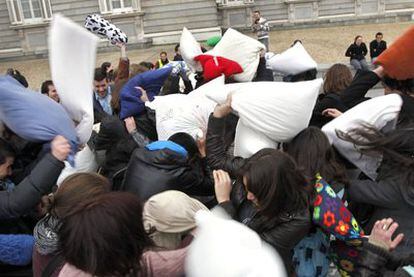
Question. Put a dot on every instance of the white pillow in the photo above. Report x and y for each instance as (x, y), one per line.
(185, 113)
(190, 48)
(241, 49)
(224, 247)
(377, 112)
(276, 109)
(248, 142)
(293, 61)
(72, 54)
(85, 161)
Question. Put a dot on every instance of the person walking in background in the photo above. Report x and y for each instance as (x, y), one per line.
(261, 28)
(357, 52)
(162, 61)
(377, 46)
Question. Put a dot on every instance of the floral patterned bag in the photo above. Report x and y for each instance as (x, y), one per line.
(331, 214)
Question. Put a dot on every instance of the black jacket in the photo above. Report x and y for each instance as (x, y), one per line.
(391, 197)
(356, 52)
(326, 101)
(28, 193)
(375, 48)
(376, 261)
(152, 172)
(283, 232)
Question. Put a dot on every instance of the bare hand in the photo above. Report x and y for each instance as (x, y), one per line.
(223, 110)
(60, 148)
(144, 95)
(382, 233)
(379, 71)
(222, 185)
(331, 113)
(201, 143)
(130, 124)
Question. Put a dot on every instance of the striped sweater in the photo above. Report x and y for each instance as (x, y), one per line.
(261, 28)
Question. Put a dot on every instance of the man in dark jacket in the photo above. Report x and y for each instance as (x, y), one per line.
(176, 164)
(44, 175)
(377, 46)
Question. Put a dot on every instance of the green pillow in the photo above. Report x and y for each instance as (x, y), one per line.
(213, 41)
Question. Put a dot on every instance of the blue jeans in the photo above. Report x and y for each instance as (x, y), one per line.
(359, 64)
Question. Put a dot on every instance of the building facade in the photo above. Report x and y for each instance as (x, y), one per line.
(24, 23)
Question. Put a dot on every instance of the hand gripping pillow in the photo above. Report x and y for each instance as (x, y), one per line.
(190, 48)
(248, 141)
(293, 61)
(33, 116)
(276, 109)
(185, 113)
(151, 81)
(85, 161)
(214, 67)
(72, 53)
(100, 26)
(377, 112)
(242, 49)
(224, 247)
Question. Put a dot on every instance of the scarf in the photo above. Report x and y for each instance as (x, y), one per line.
(45, 235)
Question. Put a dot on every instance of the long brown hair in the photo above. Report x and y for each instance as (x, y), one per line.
(105, 236)
(74, 189)
(337, 79)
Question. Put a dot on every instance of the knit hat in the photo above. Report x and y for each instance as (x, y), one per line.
(168, 215)
(224, 247)
(398, 59)
(171, 212)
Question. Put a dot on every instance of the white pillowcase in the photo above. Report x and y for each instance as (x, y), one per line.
(185, 113)
(224, 247)
(276, 109)
(248, 142)
(241, 49)
(293, 61)
(377, 112)
(190, 48)
(72, 54)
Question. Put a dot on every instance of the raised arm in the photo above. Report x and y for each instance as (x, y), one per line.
(40, 182)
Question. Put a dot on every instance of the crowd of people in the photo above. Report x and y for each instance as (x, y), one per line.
(144, 210)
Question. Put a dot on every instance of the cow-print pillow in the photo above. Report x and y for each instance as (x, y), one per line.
(100, 26)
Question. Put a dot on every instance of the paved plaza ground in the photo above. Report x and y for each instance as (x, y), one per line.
(326, 45)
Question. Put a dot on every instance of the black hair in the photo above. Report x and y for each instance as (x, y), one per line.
(6, 151)
(177, 47)
(308, 75)
(99, 74)
(163, 52)
(378, 34)
(186, 141)
(257, 11)
(147, 65)
(404, 86)
(44, 89)
(313, 153)
(396, 148)
(278, 185)
(18, 76)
